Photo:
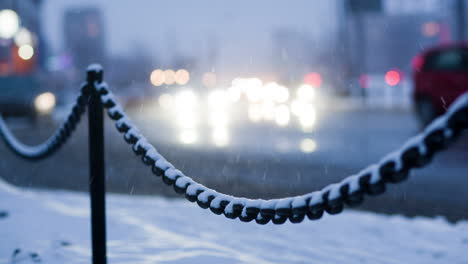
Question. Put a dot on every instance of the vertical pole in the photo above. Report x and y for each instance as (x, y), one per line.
(96, 165)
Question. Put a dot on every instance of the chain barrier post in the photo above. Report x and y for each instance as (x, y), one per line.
(96, 166)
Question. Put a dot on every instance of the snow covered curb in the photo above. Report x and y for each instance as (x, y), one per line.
(53, 227)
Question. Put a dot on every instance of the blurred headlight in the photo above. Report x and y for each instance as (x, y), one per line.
(9, 23)
(26, 52)
(44, 103)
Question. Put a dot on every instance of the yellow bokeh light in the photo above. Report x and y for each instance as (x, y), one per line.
(169, 77)
(182, 77)
(157, 77)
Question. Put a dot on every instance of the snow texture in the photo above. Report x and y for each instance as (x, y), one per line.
(53, 227)
(163, 164)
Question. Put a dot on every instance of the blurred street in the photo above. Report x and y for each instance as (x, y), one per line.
(260, 159)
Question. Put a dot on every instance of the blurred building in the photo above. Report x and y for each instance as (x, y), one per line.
(388, 34)
(84, 36)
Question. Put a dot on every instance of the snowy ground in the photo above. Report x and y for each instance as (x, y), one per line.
(53, 227)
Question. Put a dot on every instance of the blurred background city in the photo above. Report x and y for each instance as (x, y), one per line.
(257, 98)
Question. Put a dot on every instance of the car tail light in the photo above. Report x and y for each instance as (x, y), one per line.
(417, 62)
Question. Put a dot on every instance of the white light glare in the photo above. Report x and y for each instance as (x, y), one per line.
(306, 93)
(188, 136)
(26, 52)
(220, 136)
(9, 23)
(308, 145)
(282, 115)
(44, 103)
(23, 37)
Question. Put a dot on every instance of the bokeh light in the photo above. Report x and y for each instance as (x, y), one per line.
(282, 115)
(182, 77)
(220, 136)
(9, 23)
(314, 79)
(23, 37)
(166, 101)
(430, 29)
(157, 77)
(45, 103)
(218, 99)
(26, 52)
(308, 145)
(254, 112)
(169, 77)
(306, 92)
(188, 136)
(392, 77)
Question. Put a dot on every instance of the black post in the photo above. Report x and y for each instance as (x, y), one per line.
(96, 166)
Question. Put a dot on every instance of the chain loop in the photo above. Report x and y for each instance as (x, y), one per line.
(54, 142)
(393, 168)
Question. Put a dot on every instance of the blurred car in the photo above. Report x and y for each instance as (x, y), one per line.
(20, 62)
(440, 76)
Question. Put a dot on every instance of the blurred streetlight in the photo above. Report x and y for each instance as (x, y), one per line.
(157, 77)
(23, 37)
(169, 77)
(9, 23)
(45, 103)
(188, 136)
(182, 77)
(308, 145)
(220, 136)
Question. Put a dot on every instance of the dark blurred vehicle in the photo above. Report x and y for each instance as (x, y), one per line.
(20, 65)
(440, 76)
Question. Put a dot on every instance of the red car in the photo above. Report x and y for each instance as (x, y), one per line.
(440, 76)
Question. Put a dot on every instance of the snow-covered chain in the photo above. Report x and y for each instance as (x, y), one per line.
(54, 142)
(393, 168)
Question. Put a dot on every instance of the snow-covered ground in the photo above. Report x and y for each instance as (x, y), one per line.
(53, 227)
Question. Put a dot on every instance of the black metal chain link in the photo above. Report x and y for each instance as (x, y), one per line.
(58, 138)
(394, 168)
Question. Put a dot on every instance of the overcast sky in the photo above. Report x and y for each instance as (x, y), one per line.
(242, 28)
